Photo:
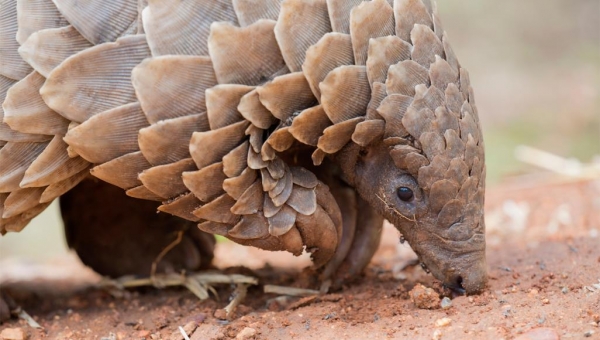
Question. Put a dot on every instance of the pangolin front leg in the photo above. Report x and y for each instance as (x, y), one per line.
(361, 232)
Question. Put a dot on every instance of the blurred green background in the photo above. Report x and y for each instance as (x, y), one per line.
(535, 67)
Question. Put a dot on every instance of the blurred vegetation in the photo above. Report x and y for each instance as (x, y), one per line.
(535, 68)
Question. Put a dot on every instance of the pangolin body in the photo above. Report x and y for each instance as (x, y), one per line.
(294, 125)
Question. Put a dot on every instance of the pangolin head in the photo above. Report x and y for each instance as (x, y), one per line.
(428, 178)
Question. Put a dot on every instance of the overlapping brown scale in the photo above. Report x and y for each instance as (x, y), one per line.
(144, 193)
(255, 138)
(303, 200)
(236, 186)
(21, 200)
(280, 140)
(250, 11)
(247, 55)
(457, 170)
(254, 111)
(332, 50)
(56, 189)
(208, 147)
(286, 94)
(300, 25)
(52, 165)
(450, 213)
(335, 137)
(282, 221)
(26, 112)
(173, 86)
(468, 126)
(15, 159)
(168, 140)
(432, 144)
(282, 191)
(303, 177)
(122, 171)
(175, 27)
(11, 64)
(442, 74)
(368, 131)
(222, 102)
(250, 202)
(345, 93)
(96, 79)
(108, 135)
(6, 133)
(218, 210)
(320, 242)
(378, 94)
(449, 53)
(166, 180)
(215, 228)
(416, 122)
(182, 206)
(454, 99)
(435, 171)
(36, 15)
(17, 223)
(307, 127)
(392, 109)
(255, 160)
(339, 14)
(250, 227)
(426, 45)
(437, 22)
(206, 183)
(236, 160)
(369, 20)
(384, 52)
(408, 13)
(99, 22)
(404, 76)
(445, 121)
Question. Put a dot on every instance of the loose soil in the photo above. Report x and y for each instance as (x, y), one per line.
(544, 267)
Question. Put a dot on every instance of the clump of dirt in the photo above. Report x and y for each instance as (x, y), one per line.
(543, 258)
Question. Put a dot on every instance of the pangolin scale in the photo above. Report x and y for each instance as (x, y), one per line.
(294, 125)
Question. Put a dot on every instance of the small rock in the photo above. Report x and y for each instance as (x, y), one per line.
(542, 333)
(588, 334)
(13, 334)
(221, 314)
(446, 303)
(565, 290)
(443, 322)
(246, 333)
(424, 297)
(143, 334)
(437, 335)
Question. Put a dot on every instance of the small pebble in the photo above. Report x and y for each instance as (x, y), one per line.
(246, 333)
(588, 334)
(542, 333)
(13, 334)
(424, 297)
(565, 290)
(443, 322)
(446, 303)
(437, 335)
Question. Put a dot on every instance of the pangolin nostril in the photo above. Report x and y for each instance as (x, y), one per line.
(459, 281)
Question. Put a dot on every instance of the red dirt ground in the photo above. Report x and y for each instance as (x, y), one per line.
(544, 267)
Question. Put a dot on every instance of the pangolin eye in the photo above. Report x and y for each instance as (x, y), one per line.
(405, 194)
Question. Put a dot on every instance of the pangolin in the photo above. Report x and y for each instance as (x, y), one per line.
(295, 125)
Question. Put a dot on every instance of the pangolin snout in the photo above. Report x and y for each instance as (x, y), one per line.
(469, 279)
